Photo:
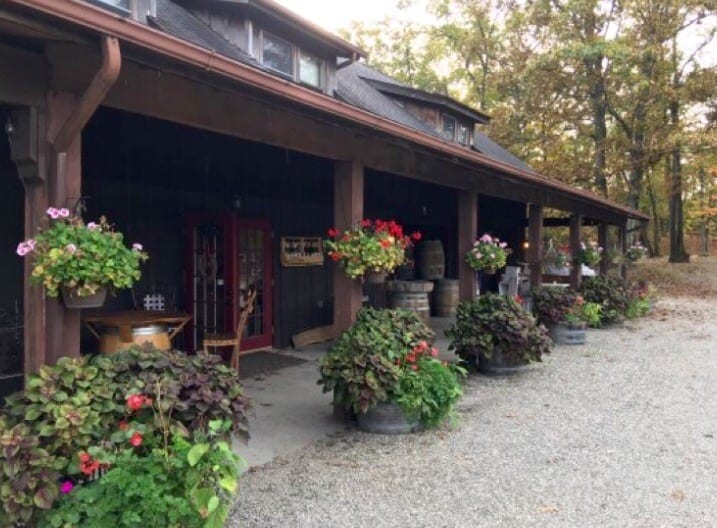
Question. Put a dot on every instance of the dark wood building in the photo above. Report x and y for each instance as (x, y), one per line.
(233, 130)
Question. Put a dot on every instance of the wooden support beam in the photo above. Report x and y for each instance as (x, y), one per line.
(467, 234)
(29, 156)
(62, 325)
(535, 244)
(348, 209)
(576, 269)
(602, 242)
(622, 247)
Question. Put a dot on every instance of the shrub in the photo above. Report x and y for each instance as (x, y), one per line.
(386, 357)
(608, 292)
(641, 297)
(497, 325)
(552, 303)
(81, 405)
(591, 313)
(589, 254)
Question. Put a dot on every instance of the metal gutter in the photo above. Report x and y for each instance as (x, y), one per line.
(96, 19)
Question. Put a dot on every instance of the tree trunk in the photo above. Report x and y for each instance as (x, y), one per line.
(677, 220)
(653, 246)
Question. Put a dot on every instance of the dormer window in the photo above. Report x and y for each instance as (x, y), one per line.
(449, 126)
(463, 135)
(277, 54)
(310, 68)
(119, 6)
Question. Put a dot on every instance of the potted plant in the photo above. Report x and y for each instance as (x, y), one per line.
(565, 313)
(636, 252)
(488, 254)
(498, 333)
(385, 370)
(589, 254)
(370, 249)
(81, 260)
(138, 438)
(611, 293)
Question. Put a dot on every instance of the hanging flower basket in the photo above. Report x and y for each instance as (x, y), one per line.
(72, 299)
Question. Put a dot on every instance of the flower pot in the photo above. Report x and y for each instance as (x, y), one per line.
(74, 301)
(498, 365)
(375, 277)
(568, 333)
(386, 418)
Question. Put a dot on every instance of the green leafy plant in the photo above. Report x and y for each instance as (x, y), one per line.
(610, 293)
(371, 245)
(551, 304)
(496, 326)
(81, 257)
(386, 357)
(641, 297)
(591, 313)
(589, 254)
(79, 413)
(488, 253)
(636, 252)
(429, 392)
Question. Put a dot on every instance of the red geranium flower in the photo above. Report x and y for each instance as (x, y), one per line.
(332, 232)
(136, 401)
(123, 425)
(385, 243)
(416, 235)
(136, 440)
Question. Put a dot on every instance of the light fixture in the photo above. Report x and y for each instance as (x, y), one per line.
(526, 244)
(9, 127)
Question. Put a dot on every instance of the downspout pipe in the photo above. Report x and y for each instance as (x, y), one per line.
(96, 92)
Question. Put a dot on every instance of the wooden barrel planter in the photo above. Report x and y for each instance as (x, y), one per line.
(412, 296)
(431, 260)
(568, 334)
(386, 418)
(155, 335)
(496, 365)
(445, 297)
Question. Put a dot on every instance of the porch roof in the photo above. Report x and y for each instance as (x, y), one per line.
(101, 21)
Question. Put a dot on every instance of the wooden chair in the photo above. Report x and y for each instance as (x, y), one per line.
(232, 340)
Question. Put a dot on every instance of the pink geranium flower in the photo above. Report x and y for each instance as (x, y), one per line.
(64, 213)
(53, 213)
(71, 248)
(137, 246)
(92, 226)
(66, 487)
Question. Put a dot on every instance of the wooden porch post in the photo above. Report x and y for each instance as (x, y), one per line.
(348, 209)
(65, 189)
(535, 244)
(467, 234)
(576, 270)
(621, 247)
(28, 153)
(602, 242)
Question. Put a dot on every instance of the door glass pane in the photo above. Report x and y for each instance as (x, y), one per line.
(251, 276)
(210, 300)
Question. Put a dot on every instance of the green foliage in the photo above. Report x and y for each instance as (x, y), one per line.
(487, 253)
(495, 325)
(589, 254)
(371, 245)
(431, 391)
(83, 258)
(610, 293)
(591, 313)
(362, 368)
(552, 303)
(187, 485)
(79, 405)
(641, 298)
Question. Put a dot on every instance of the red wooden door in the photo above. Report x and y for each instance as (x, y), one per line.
(226, 256)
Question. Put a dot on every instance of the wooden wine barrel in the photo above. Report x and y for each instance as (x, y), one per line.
(445, 297)
(156, 335)
(414, 301)
(431, 260)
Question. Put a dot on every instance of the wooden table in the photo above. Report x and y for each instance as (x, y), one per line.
(127, 320)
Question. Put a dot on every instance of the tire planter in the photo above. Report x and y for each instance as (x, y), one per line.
(568, 334)
(74, 301)
(386, 418)
(498, 366)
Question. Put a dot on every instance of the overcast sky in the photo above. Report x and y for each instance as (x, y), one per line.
(335, 14)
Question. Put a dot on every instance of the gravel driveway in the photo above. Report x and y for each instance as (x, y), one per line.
(620, 433)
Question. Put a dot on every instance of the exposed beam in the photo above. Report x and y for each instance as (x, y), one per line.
(575, 269)
(535, 244)
(467, 234)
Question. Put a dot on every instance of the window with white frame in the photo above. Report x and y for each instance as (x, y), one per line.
(277, 54)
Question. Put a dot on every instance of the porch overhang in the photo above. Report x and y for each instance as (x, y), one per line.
(472, 170)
